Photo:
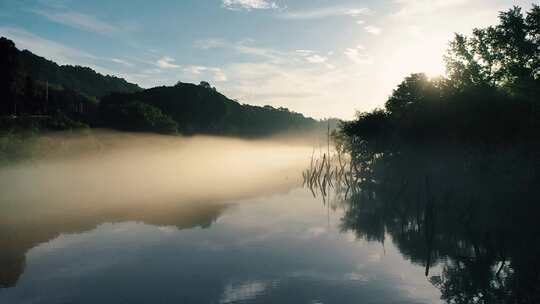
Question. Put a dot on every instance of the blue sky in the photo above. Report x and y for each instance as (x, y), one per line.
(324, 58)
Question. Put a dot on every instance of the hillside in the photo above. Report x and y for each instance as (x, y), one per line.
(33, 85)
(82, 79)
(37, 92)
(200, 109)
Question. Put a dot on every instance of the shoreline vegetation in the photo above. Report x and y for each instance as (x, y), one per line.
(487, 109)
(450, 168)
(490, 97)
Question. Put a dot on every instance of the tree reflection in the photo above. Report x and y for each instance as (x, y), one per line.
(471, 211)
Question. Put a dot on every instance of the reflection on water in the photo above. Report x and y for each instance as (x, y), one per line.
(216, 221)
(110, 177)
(274, 249)
(473, 213)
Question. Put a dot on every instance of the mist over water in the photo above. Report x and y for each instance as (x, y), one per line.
(222, 218)
(113, 169)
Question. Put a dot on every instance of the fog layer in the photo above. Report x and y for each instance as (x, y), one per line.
(128, 173)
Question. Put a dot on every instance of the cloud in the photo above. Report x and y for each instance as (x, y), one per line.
(355, 12)
(302, 79)
(305, 52)
(326, 12)
(316, 59)
(217, 73)
(122, 62)
(312, 57)
(249, 4)
(210, 43)
(167, 62)
(357, 56)
(243, 47)
(303, 87)
(372, 29)
(410, 8)
(80, 21)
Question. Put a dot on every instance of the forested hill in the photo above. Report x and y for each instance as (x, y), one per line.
(202, 109)
(82, 79)
(33, 85)
(38, 93)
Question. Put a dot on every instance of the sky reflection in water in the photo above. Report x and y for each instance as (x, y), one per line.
(285, 248)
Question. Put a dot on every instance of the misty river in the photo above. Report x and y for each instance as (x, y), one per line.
(152, 219)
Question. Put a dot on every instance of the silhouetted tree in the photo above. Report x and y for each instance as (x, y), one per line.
(491, 95)
(8, 70)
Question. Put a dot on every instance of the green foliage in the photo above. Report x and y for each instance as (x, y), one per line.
(505, 56)
(138, 116)
(63, 95)
(81, 79)
(55, 97)
(201, 109)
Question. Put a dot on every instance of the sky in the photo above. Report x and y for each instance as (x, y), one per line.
(323, 58)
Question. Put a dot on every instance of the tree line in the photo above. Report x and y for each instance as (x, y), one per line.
(490, 96)
(38, 93)
(449, 167)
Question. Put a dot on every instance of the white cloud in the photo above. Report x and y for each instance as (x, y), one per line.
(413, 7)
(122, 62)
(305, 52)
(355, 12)
(372, 29)
(312, 56)
(217, 73)
(358, 57)
(249, 4)
(316, 59)
(302, 79)
(299, 85)
(243, 47)
(326, 12)
(210, 43)
(167, 62)
(251, 50)
(79, 21)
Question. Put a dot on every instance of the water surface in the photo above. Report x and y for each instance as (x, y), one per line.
(146, 219)
(281, 248)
